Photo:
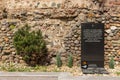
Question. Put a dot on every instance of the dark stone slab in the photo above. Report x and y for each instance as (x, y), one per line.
(92, 45)
(95, 71)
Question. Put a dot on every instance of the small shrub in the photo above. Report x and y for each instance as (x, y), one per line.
(40, 68)
(53, 4)
(56, 70)
(70, 61)
(58, 60)
(118, 73)
(12, 27)
(59, 5)
(30, 45)
(112, 63)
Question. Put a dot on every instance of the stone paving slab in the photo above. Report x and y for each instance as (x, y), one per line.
(50, 76)
(28, 76)
(28, 73)
(91, 78)
(102, 78)
(95, 71)
(86, 77)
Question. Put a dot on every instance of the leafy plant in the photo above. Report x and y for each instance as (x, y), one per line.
(53, 4)
(29, 44)
(56, 70)
(58, 60)
(112, 63)
(70, 61)
(40, 68)
(12, 26)
(58, 5)
(118, 73)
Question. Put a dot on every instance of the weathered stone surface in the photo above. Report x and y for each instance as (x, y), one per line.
(4, 58)
(113, 28)
(30, 76)
(61, 26)
(108, 31)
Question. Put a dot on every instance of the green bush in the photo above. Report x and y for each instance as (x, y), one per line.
(58, 60)
(70, 61)
(29, 44)
(112, 63)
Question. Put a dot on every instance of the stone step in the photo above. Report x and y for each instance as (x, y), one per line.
(50, 76)
(86, 77)
(28, 76)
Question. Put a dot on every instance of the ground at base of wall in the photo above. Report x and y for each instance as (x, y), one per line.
(75, 70)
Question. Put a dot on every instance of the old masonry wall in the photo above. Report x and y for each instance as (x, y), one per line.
(61, 27)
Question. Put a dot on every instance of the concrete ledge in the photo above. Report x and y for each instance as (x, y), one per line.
(32, 75)
(50, 76)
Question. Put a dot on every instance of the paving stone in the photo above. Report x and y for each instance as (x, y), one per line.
(28, 76)
(50, 76)
(101, 78)
(92, 78)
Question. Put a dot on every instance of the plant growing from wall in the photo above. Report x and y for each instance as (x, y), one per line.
(70, 61)
(58, 5)
(58, 60)
(53, 4)
(12, 27)
(112, 63)
(30, 45)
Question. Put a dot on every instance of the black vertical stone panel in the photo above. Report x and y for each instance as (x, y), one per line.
(92, 44)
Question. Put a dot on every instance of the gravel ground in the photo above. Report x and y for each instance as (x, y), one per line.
(75, 70)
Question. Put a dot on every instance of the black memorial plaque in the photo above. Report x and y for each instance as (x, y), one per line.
(92, 45)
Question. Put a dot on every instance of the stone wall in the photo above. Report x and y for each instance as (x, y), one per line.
(15, 4)
(61, 29)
